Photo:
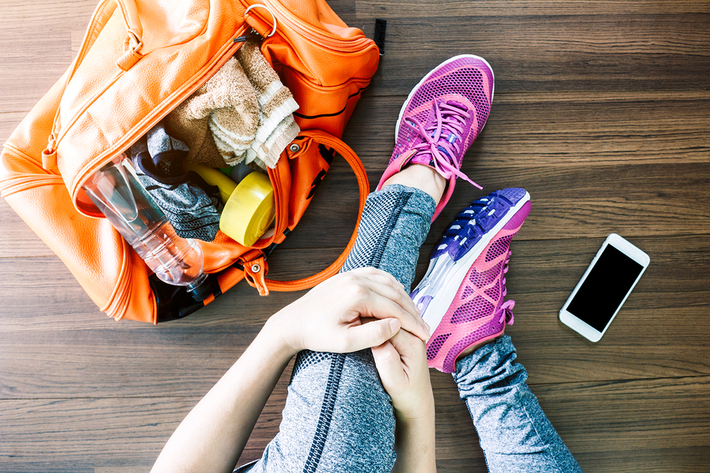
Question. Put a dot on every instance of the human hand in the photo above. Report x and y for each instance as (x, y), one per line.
(402, 364)
(349, 312)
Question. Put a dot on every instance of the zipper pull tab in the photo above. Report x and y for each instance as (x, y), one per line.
(49, 155)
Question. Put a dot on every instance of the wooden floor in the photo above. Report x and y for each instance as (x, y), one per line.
(602, 111)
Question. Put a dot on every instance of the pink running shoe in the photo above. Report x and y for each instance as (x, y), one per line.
(441, 118)
(461, 294)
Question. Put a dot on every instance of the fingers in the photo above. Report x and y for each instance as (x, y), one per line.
(386, 285)
(382, 307)
(371, 334)
(409, 347)
(389, 299)
(389, 366)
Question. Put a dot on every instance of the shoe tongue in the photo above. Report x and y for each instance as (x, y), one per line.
(431, 124)
(431, 128)
(457, 104)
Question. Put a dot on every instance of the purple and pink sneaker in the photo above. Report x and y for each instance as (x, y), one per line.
(461, 294)
(441, 118)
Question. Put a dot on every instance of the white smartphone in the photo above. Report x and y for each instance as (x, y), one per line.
(604, 287)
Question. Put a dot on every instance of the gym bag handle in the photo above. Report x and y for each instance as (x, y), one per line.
(231, 276)
(134, 43)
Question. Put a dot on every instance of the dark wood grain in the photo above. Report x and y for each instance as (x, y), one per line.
(131, 433)
(597, 163)
(601, 112)
(205, 344)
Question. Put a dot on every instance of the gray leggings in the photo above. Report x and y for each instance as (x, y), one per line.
(338, 418)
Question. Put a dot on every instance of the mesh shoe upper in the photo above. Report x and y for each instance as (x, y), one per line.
(441, 118)
(462, 296)
(467, 80)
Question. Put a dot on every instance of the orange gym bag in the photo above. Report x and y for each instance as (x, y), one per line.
(139, 60)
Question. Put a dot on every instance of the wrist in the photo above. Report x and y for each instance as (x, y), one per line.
(282, 336)
(415, 443)
(420, 410)
(415, 415)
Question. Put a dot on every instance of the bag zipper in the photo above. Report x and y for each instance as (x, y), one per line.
(90, 37)
(307, 30)
(116, 305)
(157, 115)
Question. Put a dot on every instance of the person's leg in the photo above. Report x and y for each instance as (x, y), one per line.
(514, 432)
(463, 298)
(337, 415)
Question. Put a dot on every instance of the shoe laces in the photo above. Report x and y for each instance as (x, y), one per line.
(506, 309)
(443, 148)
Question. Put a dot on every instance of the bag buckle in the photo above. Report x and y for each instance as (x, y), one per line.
(255, 273)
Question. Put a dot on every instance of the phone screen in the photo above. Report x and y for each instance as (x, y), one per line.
(604, 289)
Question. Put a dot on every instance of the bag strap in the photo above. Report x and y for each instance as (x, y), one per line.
(134, 33)
(364, 187)
(253, 264)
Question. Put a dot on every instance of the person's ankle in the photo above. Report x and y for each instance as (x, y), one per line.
(475, 347)
(421, 177)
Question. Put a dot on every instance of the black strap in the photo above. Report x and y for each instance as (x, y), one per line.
(380, 31)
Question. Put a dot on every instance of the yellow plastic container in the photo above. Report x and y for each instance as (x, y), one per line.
(214, 177)
(250, 210)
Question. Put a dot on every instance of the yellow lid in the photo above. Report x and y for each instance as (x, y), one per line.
(250, 209)
(213, 177)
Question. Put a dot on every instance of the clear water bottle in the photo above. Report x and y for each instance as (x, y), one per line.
(119, 195)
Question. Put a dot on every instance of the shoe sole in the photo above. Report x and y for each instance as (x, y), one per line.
(429, 74)
(439, 305)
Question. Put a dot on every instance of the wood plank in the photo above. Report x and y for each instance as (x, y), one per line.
(664, 429)
(181, 357)
(24, 15)
(568, 150)
(568, 202)
(662, 322)
(36, 48)
(575, 48)
(633, 425)
(70, 434)
(678, 265)
(50, 328)
(557, 130)
(397, 9)
(595, 52)
(604, 163)
(109, 435)
(664, 415)
(8, 122)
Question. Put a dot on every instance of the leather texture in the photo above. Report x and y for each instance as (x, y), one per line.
(138, 61)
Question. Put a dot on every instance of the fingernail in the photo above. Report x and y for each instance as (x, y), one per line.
(394, 325)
